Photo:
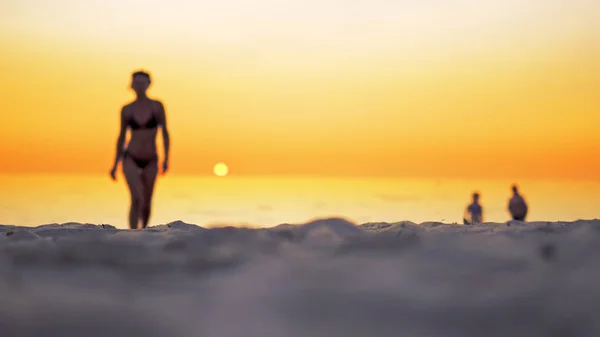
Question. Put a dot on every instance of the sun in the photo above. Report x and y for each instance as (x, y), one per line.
(221, 169)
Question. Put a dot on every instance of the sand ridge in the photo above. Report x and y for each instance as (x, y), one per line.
(328, 277)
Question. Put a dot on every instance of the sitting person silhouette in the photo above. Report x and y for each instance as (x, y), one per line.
(474, 212)
(517, 205)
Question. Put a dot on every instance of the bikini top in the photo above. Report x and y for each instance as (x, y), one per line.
(150, 124)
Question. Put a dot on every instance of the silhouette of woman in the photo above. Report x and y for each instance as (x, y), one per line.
(139, 157)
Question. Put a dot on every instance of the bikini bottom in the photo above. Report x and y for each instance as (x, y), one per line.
(141, 163)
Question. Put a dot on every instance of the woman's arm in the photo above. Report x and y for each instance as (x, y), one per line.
(165, 134)
(121, 138)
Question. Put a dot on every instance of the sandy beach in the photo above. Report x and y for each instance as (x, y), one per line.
(329, 277)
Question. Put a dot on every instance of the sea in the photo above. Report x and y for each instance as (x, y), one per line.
(209, 201)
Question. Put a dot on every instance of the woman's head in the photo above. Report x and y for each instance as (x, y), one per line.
(140, 81)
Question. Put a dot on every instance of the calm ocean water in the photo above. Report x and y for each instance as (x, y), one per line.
(31, 200)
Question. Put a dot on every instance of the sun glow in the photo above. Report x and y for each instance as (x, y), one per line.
(221, 169)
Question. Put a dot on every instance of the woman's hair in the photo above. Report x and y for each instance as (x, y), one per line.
(141, 73)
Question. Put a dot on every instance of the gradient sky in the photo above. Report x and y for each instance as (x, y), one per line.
(437, 88)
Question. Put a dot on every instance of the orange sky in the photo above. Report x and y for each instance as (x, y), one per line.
(396, 88)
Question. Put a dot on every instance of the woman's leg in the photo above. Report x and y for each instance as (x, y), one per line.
(136, 188)
(149, 180)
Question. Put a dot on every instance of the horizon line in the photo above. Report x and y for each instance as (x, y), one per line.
(318, 176)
